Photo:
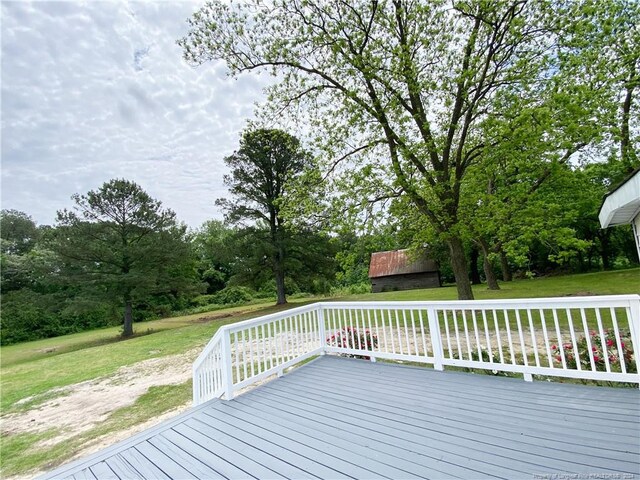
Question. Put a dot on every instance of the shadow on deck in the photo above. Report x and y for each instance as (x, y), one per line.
(344, 418)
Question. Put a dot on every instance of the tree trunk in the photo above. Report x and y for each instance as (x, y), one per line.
(127, 328)
(279, 273)
(492, 281)
(459, 266)
(278, 258)
(604, 249)
(506, 269)
(282, 299)
(475, 273)
(627, 152)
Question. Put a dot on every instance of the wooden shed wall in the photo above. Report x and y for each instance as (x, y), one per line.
(407, 281)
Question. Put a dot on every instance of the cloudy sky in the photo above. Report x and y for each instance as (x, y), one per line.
(97, 90)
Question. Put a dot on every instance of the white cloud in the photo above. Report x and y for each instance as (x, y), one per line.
(97, 90)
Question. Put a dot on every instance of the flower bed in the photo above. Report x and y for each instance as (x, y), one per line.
(615, 350)
(353, 339)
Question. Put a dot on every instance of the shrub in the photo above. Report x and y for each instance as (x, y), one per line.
(268, 288)
(485, 356)
(355, 289)
(203, 300)
(233, 295)
(350, 338)
(616, 356)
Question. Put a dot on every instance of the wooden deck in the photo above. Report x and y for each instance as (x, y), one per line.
(344, 418)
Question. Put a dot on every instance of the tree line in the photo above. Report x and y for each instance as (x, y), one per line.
(118, 256)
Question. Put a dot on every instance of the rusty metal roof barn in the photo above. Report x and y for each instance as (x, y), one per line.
(399, 262)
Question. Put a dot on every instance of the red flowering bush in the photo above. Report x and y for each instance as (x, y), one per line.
(617, 349)
(350, 338)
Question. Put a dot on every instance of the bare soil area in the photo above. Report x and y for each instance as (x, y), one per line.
(80, 407)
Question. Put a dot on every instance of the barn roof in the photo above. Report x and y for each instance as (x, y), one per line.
(398, 262)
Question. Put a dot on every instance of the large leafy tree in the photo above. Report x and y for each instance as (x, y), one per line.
(397, 87)
(121, 245)
(262, 169)
(599, 43)
(309, 263)
(213, 244)
(18, 232)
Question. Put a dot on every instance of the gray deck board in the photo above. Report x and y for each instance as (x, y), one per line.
(122, 468)
(102, 471)
(538, 397)
(344, 418)
(355, 430)
(418, 394)
(327, 449)
(83, 475)
(255, 462)
(480, 443)
(451, 416)
(165, 461)
(174, 445)
(141, 464)
(310, 460)
(413, 388)
(449, 446)
(467, 412)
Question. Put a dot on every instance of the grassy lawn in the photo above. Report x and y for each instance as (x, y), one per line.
(50, 347)
(599, 283)
(31, 370)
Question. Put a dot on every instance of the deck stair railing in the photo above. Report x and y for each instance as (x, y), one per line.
(595, 338)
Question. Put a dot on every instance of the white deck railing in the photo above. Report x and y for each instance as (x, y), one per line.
(593, 338)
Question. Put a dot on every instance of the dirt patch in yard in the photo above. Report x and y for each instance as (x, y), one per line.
(211, 318)
(80, 407)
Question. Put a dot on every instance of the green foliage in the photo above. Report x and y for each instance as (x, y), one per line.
(233, 295)
(353, 338)
(262, 169)
(401, 91)
(355, 251)
(460, 112)
(617, 350)
(18, 232)
(121, 246)
(352, 289)
(600, 46)
(213, 246)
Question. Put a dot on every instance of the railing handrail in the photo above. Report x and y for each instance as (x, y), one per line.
(207, 348)
(219, 347)
(596, 300)
(233, 327)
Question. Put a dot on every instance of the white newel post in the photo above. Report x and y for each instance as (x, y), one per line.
(196, 385)
(321, 330)
(226, 365)
(634, 325)
(436, 338)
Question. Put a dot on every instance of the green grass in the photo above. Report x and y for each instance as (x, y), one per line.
(22, 379)
(20, 453)
(51, 347)
(31, 370)
(598, 283)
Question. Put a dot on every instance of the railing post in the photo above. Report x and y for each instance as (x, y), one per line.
(634, 326)
(196, 386)
(436, 338)
(321, 330)
(226, 365)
